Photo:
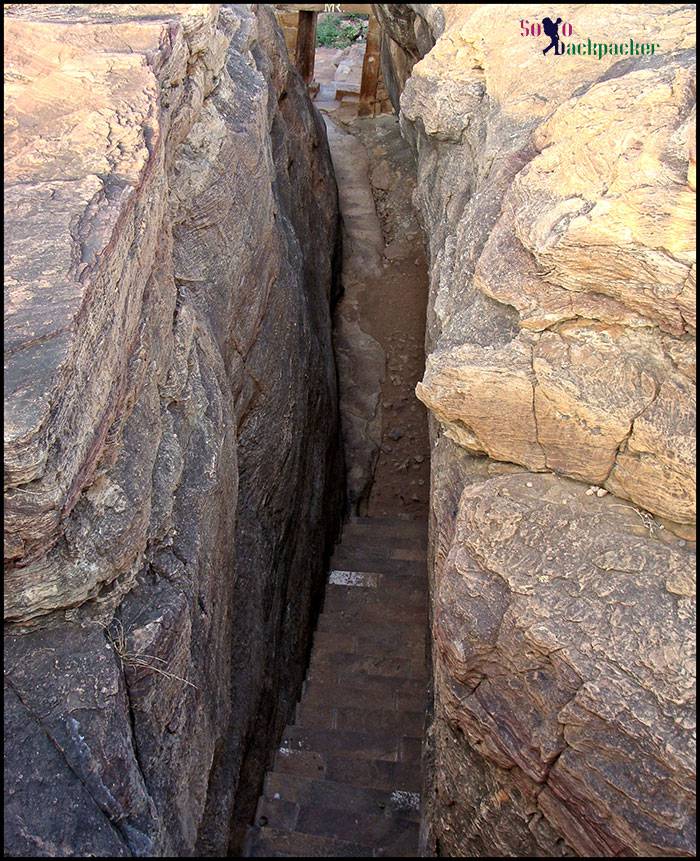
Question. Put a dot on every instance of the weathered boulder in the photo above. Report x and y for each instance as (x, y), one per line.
(172, 457)
(605, 243)
(558, 199)
(564, 656)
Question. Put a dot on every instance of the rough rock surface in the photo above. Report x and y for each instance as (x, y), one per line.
(558, 199)
(172, 458)
(361, 359)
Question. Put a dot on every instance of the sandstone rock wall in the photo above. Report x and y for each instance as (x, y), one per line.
(172, 465)
(558, 200)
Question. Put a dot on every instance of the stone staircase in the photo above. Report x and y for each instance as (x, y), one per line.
(346, 778)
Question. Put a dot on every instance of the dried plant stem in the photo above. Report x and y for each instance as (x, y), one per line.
(117, 638)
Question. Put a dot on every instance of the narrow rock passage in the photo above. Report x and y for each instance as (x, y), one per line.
(346, 777)
(380, 321)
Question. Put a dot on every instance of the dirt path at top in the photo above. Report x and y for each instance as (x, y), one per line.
(392, 308)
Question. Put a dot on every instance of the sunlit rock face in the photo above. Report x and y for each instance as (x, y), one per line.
(171, 457)
(558, 198)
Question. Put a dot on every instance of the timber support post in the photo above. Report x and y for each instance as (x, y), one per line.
(370, 70)
(306, 45)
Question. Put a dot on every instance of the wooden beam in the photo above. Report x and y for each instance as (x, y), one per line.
(364, 8)
(306, 45)
(370, 70)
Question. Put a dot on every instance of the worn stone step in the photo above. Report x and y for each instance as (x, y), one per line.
(339, 677)
(370, 637)
(344, 598)
(384, 549)
(344, 560)
(278, 813)
(303, 763)
(379, 544)
(273, 843)
(401, 776)
(369, 682)
(346, 766)
(384, 588)
(391, 525)
(386, 832)
(403, 723)
(377, 665)
(376, 616)
(414, 584)
(361, 745)
(320, 694)
(356, 547)
(342, 622)
(341, 796)
(342, 571)
(382, 543)
(329, 642)
(384, 829)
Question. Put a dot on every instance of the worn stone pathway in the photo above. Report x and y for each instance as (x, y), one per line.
(346, 777)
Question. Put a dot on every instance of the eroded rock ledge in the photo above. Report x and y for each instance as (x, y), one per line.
(558, 199)
(172, 467)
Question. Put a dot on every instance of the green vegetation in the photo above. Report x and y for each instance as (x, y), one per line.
(339, 31)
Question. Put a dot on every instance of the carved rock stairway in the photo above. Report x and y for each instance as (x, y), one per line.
(347, 775)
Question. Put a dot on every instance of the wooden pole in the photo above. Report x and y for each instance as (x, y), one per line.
(370, 70)
(306, 45)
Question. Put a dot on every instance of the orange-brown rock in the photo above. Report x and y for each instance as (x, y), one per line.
(558, 197)
(170, 418)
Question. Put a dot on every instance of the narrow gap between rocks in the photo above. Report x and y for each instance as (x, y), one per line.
(379, 335)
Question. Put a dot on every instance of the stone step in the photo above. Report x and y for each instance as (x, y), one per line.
(353, 764)
(336, 676)
(385, 695)
(303, 763)
(377, 665)
(402, 776)
(376, 582)
(347, 775)
(376, 564)
(391, 525)
(393, 834)
(353, 547)
(380, 828)
(273, 843)
(278, 813)
(407, 596)
(358, 583)
(379, 644)
(378, 541)
(338, 600)
(373, 615)
(334, 742)
(341, 796)
(403, 723)
(380, 544)
(344, 622)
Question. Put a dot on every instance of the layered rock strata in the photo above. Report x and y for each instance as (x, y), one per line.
(558, 199)
(172, 464)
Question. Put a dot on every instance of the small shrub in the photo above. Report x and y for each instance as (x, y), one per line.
(336, 31)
